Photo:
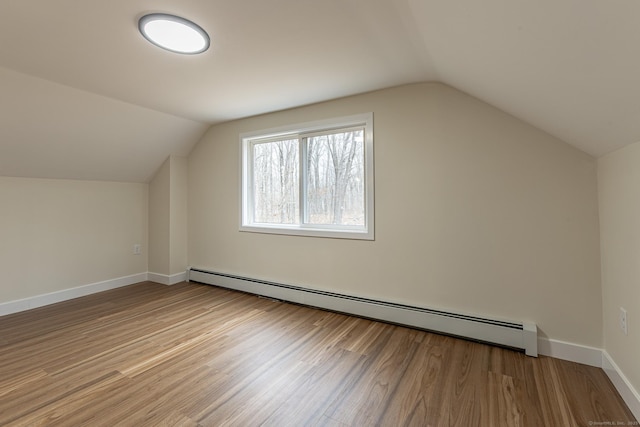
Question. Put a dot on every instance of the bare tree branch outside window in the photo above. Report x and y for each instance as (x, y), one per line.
(275, 174)
(335, 180)
(312, 179)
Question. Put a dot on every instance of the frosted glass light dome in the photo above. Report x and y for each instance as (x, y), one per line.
(174, 33)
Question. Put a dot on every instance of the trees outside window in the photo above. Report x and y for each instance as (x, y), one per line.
(315, 180)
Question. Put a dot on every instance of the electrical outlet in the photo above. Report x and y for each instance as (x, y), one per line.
(136, 249)
(623, 320)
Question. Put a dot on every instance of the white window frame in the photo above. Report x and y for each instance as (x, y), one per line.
(303, 229)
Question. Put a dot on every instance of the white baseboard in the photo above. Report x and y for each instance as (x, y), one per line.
(569, 351)
(164, 279)
(629, 394)
(67, 294)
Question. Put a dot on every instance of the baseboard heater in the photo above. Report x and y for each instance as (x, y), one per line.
(518, 335)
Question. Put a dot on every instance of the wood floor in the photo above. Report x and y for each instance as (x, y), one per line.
(193, 355)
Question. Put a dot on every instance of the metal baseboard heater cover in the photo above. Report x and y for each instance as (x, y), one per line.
(518, 335)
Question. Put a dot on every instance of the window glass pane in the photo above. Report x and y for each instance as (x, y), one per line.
(336, 179)
(310, 179)
(275, 182)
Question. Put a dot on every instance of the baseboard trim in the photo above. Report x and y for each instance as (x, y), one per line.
(570, 351)
(164, 279)
(628, 393)
(16, 306)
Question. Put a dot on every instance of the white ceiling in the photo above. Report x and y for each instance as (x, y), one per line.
(84, 96)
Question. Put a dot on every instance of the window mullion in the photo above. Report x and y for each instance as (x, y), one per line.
(302, 180)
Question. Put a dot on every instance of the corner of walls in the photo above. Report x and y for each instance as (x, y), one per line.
(619, 208)
(627, 391)
(165, 279)
(159, 214)
(598, 358)
(178, 201)
(168, 222)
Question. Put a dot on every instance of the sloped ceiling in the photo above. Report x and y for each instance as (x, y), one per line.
(84, 96)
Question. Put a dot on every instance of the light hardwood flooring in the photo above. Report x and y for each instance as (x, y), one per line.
(192, 354)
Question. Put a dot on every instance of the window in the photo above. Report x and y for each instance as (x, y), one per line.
(312, 179)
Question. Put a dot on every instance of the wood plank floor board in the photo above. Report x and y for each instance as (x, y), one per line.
(312, 393)
(261, 364)
(590, 402)
(533, 409)
(419, 398)
(77, 311)
(197, 355)
(505, 403)
(139, 401)
(371, 395)
(67, 334)
(53, 399)
(331, 336)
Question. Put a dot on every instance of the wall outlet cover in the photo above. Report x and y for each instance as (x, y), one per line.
(623, 320)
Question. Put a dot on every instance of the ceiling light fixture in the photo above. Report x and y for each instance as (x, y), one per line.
(174, 33)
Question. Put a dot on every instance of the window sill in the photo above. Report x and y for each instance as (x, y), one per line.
(331, 233)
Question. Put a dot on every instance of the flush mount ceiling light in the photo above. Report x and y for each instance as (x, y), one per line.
(174, 33)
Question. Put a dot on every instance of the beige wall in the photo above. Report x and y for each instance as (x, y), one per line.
(619, 192)
(168, 218)
(476, 211)
(60, 234)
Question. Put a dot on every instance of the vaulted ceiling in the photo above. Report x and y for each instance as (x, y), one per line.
(84, 96)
